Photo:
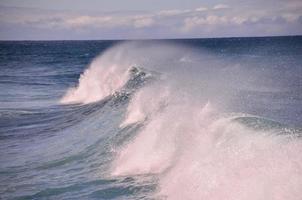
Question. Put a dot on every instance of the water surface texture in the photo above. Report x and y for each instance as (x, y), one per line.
(158, 119)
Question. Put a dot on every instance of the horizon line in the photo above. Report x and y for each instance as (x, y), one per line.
(137, 39)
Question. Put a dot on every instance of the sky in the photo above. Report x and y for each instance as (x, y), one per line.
(147, 19)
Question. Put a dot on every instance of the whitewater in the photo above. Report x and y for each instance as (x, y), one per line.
(159, 119)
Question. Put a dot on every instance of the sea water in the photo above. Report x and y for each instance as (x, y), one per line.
(156, 119)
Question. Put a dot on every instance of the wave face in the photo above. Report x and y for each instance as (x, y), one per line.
(176, 119)
(106, 75)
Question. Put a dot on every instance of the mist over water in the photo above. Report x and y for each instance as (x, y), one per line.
(208, 119)
(189, 137)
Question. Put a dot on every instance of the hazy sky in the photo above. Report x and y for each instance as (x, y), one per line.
(139, 19)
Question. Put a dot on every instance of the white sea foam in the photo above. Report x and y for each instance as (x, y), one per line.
(197, 149)
(110, 71)
(146, 103)
(105, 75)
(188, 138)
(200, 154)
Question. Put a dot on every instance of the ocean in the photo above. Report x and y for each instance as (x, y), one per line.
(179, 119)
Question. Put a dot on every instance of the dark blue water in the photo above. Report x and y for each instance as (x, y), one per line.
(107, 138)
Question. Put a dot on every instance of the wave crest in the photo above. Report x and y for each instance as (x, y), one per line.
(189, 135)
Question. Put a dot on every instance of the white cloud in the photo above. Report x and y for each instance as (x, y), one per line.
(201, 9)
(143, 22)
(200, 21)
(83, 22)
(239, 20)
(220, 6)
(196, 22)
(88, 21)
(173, 12)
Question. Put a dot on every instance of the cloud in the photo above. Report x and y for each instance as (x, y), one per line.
(215, 22)
(240, 20)
(200, 21)
(173, 12)
(83, 21)
(201, 9)
(196, 22)
(143, 22)
(220, 6)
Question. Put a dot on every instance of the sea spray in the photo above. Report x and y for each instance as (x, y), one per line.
(188, 134)
(217, 119)
(200, 153)
(109, 72)
(105, 75)
(192, 141)
(146, 103)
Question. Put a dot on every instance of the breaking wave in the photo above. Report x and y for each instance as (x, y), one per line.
(195, 131)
